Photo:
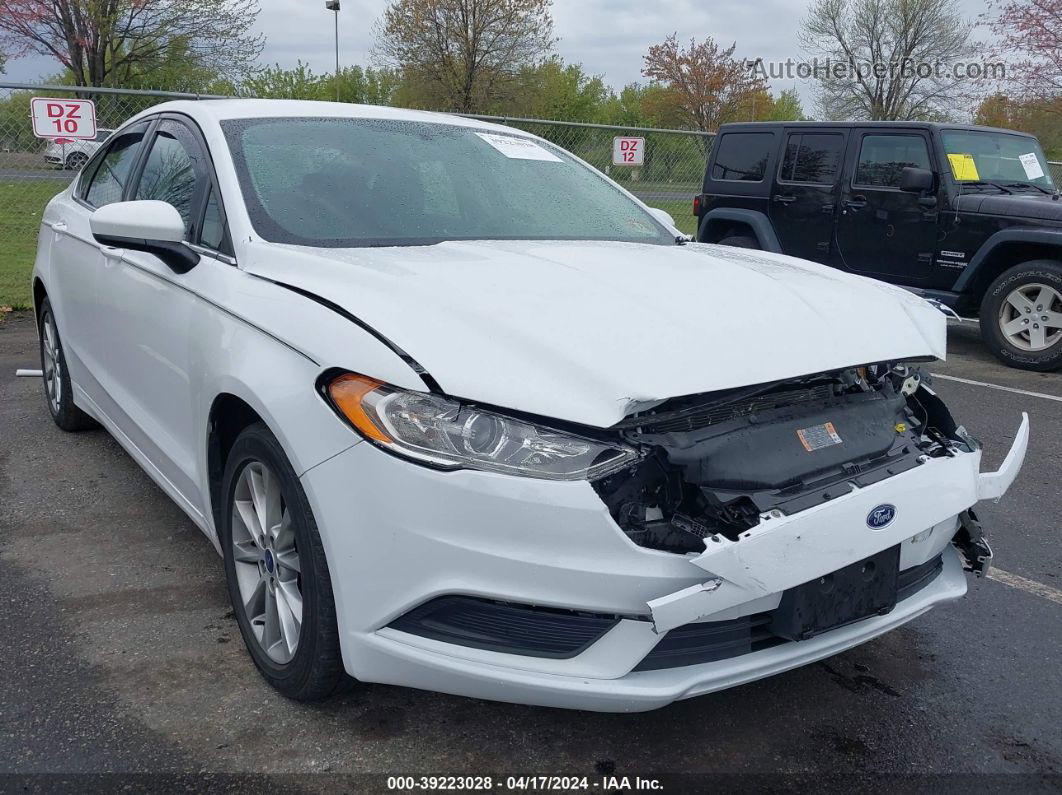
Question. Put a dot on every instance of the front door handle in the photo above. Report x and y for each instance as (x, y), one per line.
(58, 226)
(855, 203)
(784, 199)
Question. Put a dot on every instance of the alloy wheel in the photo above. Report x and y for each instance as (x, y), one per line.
(52, 362)
(268, 570)
(1031, 317)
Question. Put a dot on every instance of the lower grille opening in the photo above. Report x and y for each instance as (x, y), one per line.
(711, 641)
(505, 627)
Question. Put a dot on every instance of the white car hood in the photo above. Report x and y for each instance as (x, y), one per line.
(592, 331)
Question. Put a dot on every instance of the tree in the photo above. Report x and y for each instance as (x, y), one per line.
(888, 59)
(1034, 29)
(555, 90)
(463, 54)
(103, 42)
(787, 107)
(1027, 114)
(705, 85)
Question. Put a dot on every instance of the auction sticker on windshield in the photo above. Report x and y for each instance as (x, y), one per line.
(518, 148)
(1031, 164)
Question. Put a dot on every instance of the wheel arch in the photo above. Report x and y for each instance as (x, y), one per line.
(1004, 250)
(40, 292)
(723, 221)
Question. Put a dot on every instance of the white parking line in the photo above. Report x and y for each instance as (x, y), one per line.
(1023, 584)
(943, 377)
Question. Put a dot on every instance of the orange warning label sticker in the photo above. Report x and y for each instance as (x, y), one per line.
(818, 436)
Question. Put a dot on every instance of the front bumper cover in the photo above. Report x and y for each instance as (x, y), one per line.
(782, 552)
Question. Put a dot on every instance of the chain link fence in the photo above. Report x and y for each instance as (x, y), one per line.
(33, 170)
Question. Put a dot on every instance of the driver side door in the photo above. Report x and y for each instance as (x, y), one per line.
(154, 311)
(882, 231)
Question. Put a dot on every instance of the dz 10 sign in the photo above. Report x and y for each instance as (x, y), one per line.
(63, 118)
(628, 151)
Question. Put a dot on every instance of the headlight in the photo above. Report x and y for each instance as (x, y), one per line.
(448, 434)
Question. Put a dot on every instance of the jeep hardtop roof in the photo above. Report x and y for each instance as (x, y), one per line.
(846, 125)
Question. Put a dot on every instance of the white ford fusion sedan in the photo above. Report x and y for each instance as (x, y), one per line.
(462, 414)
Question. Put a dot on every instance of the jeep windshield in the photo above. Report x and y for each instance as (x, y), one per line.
(344, 183)
(1004, 160)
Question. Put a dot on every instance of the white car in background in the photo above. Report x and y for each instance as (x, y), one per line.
(73, 153)
(462, 414)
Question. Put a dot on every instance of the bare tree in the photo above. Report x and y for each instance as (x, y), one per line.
(101, 41)
(888, 59)
(464, 52)
(705, 84)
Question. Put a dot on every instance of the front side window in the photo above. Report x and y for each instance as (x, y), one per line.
(882, 158)
(977, 155)
(742, 156)
(171, 170)
(813, 158)
(107, 184)
(212, 235)
(372, 182)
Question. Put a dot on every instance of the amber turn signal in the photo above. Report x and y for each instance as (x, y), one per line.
(347, 392)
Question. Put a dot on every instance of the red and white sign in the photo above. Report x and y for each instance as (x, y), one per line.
(63, 118)
(628, 151)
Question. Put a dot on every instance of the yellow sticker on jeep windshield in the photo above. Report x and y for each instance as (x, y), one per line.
(963, 167)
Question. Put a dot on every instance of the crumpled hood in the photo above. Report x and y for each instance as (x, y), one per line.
(592, 331)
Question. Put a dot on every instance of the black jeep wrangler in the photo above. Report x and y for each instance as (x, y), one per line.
(965, 215)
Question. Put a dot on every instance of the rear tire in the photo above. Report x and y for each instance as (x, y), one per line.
(1021, 316)
(58, 392)
(278, 578)
(740, 241)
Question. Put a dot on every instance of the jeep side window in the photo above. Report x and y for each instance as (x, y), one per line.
(812, 158)
(883, 157)
(742, 157)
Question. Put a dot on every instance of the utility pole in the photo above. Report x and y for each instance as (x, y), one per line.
(333, 5)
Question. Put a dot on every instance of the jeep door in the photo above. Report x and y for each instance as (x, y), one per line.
(804, 201)
(883, 231)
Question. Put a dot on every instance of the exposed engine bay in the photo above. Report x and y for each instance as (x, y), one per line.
(715, 464)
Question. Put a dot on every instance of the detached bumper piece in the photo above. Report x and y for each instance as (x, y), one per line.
(711, 641)
(505, 627)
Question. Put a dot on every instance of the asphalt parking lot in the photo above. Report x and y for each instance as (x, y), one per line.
(119, 652)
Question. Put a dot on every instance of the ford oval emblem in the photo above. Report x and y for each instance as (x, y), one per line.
(881, 517)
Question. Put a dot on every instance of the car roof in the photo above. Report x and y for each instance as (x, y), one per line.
(227, 109)
(885, 125)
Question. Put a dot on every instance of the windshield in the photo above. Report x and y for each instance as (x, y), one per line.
(977, 156)
(381, 182)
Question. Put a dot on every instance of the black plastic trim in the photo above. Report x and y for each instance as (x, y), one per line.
(506, 627)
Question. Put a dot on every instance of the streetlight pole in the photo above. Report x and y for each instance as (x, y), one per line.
(333, 5)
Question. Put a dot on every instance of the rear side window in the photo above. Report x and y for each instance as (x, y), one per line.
(115, 168)
(813, 158)
(883, 157)
(742, 157)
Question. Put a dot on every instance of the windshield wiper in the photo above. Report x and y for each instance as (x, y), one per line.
(984, 182)
(1029, 185)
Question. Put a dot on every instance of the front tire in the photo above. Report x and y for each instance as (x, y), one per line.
(1021, 316)
(58, 391)
(278, 578)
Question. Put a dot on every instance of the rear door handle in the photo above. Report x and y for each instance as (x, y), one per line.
(785, 199)
(856, 203)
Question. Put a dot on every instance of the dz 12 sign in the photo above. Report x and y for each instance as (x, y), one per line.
(628, 151)
(63, 118)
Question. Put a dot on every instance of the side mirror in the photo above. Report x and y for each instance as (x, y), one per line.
(917, 180)
(151, 226)
(662, 216)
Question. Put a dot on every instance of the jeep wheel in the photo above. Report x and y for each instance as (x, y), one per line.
(1021, 316)
(739, 241)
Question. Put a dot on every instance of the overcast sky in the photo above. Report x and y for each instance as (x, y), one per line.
(608, 37)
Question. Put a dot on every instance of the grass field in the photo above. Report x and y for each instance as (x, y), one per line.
(21, 204)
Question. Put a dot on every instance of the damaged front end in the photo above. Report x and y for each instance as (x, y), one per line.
(772, 486)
